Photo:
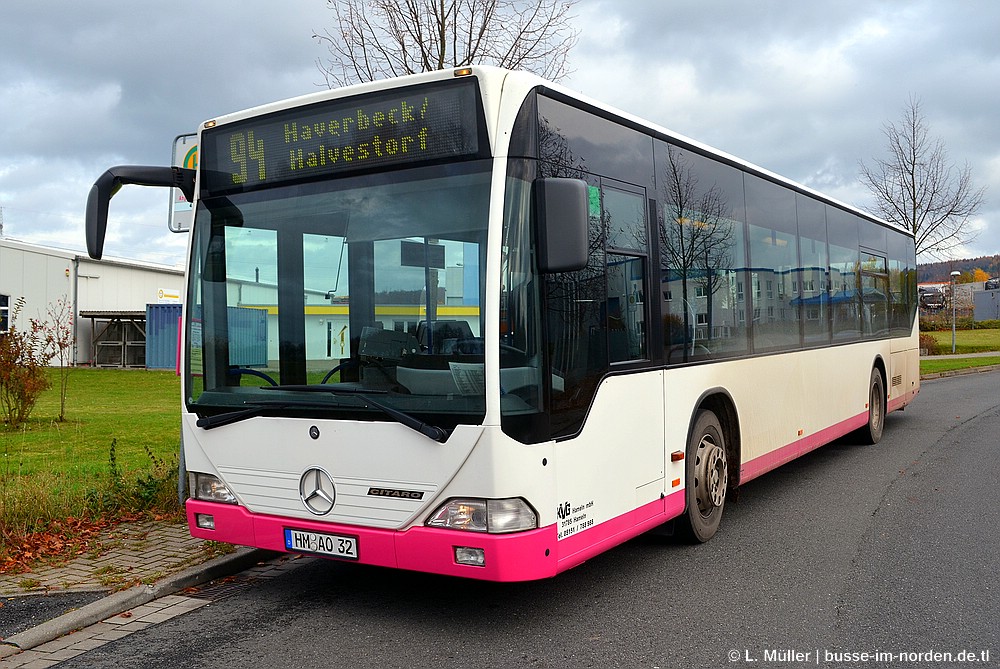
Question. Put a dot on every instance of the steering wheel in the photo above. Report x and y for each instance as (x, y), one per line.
(353, 362)
(246, 371)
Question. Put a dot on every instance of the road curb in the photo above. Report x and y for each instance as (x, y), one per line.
(119, 602)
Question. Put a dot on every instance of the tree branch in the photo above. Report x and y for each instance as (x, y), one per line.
(918, 189)
(380, 38)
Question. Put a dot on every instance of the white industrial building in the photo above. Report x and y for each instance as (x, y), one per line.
(108, 298)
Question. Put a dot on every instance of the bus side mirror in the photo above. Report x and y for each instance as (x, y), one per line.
(561, 220)
(111, 181)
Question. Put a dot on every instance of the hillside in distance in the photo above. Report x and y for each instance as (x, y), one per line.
(941, 271)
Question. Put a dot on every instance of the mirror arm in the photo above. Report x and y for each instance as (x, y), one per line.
(112, 180)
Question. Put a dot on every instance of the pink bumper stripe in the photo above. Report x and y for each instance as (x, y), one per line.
(522, 556)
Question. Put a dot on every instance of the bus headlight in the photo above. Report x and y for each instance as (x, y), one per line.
(495, 516)
(209, 488)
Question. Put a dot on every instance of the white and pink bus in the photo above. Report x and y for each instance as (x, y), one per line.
(508, 327)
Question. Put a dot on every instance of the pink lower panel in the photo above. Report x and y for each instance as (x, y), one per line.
(765, 463)
(901, 401)
(522, 556)
(780, 456)
(578, 548)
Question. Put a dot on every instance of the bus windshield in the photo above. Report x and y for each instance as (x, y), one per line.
(367, 287)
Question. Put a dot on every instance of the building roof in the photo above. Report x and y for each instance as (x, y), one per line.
(112, 314)
(70, 254)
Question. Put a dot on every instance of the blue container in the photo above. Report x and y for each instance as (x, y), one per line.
(247, 336)
(162, 335)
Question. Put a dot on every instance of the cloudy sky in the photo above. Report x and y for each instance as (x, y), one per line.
(801, 88)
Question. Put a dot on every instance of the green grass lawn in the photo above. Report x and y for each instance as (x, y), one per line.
(138, 409)
(968, 341)
(51, 469)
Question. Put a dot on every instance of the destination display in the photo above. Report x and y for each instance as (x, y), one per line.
(416, 124)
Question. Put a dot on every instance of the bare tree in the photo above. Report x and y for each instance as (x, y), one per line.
(918, 189)
(376, 39)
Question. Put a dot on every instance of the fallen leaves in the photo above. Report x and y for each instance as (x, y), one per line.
(62, 539)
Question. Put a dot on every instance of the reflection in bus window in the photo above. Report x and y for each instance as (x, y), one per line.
(701, 257)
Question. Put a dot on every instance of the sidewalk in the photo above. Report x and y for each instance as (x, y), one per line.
(953, 356)
(135, 567)
(127, 554)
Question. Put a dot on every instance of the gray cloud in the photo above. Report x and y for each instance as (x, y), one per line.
(801, 88)
(804, 89)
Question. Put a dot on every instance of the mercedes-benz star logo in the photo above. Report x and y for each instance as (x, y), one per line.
(317, 492)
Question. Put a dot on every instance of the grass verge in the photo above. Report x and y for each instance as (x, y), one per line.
(114, 457)
(967, 341)
(940, 366)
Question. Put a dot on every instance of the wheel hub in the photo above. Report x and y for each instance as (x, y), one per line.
(711, 475)
(876, 408)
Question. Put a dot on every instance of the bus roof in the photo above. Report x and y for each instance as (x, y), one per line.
(519, 83)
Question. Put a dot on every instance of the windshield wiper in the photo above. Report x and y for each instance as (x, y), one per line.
(251, 410)
(438, 434)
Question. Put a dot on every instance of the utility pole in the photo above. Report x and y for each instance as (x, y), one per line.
(954, 308)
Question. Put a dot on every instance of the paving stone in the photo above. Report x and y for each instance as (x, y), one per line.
(55, 644)
(182, 608)
(64, 654)
(135, 626)
(89, 643)
(113, 635)
(29, 660)
(164, 548)
(144, 610)
(158, 617)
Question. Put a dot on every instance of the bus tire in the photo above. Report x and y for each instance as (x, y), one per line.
(707, 476)
(872, 432)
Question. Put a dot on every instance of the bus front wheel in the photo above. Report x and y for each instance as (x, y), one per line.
(707, 473)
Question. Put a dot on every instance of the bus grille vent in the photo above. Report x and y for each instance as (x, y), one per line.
(897, 380)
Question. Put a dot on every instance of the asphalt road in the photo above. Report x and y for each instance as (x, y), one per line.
(888, 549)
(24, 612)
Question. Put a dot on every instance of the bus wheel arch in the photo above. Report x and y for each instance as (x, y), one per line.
(711, 466)
(722, 405)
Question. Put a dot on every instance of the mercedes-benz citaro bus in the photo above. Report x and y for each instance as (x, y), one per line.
(469, 322)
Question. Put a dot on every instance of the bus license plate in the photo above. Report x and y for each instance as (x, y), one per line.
(333, 545)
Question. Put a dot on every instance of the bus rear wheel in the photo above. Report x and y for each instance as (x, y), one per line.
(872, 432)
(707, 471)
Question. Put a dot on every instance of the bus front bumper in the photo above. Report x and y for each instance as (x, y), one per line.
(521, 556)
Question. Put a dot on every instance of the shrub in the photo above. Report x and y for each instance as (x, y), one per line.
(22, 369)
(121, 492)
(57, 344)
(929, 344)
